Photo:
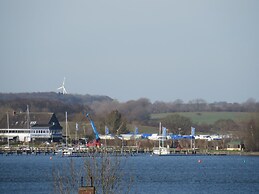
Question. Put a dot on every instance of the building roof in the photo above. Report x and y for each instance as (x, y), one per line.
(21, 120)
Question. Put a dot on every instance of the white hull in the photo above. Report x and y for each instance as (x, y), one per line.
(161, 151)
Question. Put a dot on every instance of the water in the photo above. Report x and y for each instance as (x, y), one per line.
(151, 174)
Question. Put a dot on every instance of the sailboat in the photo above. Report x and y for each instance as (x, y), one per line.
(161, 150)
(67, 151)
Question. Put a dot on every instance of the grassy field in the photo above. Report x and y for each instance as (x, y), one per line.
(209, 117)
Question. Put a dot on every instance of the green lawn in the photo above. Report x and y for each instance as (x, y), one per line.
(209, 117)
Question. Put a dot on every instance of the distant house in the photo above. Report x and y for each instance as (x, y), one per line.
(235, 145)
(27, 127)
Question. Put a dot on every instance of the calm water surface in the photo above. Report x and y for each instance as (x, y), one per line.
(152, 174)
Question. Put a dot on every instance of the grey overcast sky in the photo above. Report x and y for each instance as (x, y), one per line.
(157, 49)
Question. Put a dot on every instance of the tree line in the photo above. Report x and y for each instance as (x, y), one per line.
(100, 106)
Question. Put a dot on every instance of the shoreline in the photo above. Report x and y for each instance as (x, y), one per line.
(87, 154)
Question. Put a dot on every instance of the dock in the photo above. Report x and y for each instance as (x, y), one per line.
(113, 150)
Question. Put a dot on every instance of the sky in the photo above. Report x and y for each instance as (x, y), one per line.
(162, 50)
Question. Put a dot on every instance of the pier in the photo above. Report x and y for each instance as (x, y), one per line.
(113, 150)
(17, 151)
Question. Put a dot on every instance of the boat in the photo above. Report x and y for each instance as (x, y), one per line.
(67, 152)
(161, 150)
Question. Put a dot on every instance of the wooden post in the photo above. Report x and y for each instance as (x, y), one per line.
(86, 189)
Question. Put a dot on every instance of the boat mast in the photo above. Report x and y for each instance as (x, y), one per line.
(7, 117)
(160, 133)
(28, 117)
(66, 129)
(28, 123)
(76, 142)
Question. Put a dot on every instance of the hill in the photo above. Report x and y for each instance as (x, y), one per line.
(48, 102)
(53, 96)
(209, 117)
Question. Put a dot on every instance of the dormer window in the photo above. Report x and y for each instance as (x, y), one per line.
(33, 122)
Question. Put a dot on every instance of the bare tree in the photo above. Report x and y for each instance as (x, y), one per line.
(175, 122)
(104, 171)
(116, 122)
(252, 135)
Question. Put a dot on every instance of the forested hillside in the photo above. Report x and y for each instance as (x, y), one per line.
(134, 110)
(48, 102)
(53, 96)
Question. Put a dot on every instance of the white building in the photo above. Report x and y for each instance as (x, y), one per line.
(26, 127)
(209, 137)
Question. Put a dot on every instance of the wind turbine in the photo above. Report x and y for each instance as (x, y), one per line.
(63, 87)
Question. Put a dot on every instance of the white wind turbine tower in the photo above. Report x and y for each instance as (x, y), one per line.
(63, 87)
